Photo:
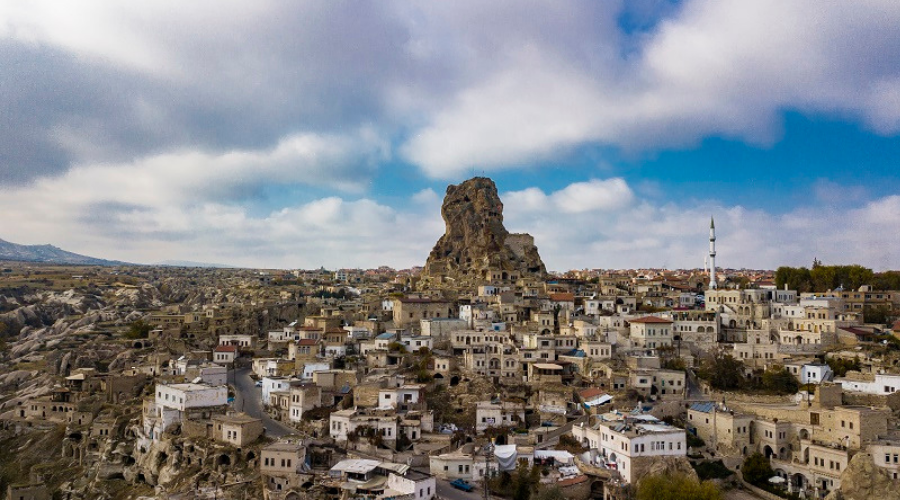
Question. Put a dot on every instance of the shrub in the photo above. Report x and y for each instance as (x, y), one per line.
(712, 470)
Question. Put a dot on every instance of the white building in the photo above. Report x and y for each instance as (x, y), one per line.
(173, 400)
(411, 484)
(310, 368)
(882, 384)
(225, 354)
(816, 373)
(651, 332)
(344, 422)
(276, 384)
(505, 414)
(184, 396)
(616, 444)
(399, 398)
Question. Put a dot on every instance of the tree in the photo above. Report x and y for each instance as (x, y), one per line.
(723, 372)
(549, 493)
(877, 314)
(795, 278)
(138, 330)
(676, 487)
(841, 366)
(779, 381)
(756, 469)
(888, 280)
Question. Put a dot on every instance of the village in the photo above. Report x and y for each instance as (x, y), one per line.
(479, 375)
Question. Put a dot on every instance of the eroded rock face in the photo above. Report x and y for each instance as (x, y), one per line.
(476, 247)
(862, 480)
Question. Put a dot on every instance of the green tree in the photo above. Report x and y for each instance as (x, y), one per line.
(723, 372)
(841, 366)
(779, 381)
(138, 330)
(888, 280)
(549, 493)
(757, 469)
(877, 314)
(676, 487)
(795, 278)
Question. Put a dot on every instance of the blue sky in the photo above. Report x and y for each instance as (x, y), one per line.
(301, 134)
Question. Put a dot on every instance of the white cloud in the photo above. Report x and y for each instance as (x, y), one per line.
(651, 233)
(591, 196)
(728, 68)
(340, 232)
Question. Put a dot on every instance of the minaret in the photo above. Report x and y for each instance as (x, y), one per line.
(712, 254)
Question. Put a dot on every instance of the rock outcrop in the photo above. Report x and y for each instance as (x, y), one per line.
(476, 247)
(862, 480)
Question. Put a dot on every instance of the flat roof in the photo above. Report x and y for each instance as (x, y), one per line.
(356, 465)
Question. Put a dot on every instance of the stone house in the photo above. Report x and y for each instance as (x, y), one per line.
(237, 429)
(651, 332)
(501, 414)
(225, 354)
(408, 312)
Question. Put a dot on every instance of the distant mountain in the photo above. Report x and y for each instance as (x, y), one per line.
(50, 254)
(188, 263)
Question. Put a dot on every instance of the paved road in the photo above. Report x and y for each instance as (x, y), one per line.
(445, 491)
(248, 398)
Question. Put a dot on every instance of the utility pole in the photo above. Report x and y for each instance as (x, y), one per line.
(488, 455)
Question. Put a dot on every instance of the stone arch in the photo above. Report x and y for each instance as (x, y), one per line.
(250, 455)
(804, 434)
(292, 496)
(799, 481)
(138, 345)
(454, 380)
(223, 459)
(768, 451)
(597, 489)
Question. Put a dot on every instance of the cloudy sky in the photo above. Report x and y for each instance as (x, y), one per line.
(305, 134)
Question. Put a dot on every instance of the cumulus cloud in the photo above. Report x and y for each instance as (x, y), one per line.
(460, 85)
(161, 129)
(341, 231)
(711, 69)
(593, 196)
(655, 233)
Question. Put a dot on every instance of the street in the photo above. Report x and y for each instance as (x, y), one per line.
(447, 492)
(248, 398)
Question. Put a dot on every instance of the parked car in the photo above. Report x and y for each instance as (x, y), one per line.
(461, 484)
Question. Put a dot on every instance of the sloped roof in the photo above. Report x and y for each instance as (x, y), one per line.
(703, 407)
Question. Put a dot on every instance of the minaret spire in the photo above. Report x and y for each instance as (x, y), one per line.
(712, 254)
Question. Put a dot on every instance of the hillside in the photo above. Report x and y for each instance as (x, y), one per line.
(49, 254)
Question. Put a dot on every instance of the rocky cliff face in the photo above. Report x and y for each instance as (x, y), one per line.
(862, 480)
(476, 247)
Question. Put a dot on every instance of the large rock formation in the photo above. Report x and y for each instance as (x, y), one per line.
(863, 480)
(476, 247)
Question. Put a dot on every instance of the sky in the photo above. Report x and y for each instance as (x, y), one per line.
(299, 134)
